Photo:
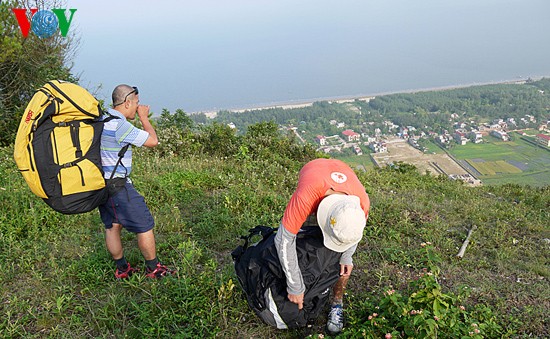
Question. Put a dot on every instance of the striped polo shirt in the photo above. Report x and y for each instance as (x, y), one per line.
(118, 133)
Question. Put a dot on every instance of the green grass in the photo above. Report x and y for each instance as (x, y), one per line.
(358, 161)
(57, 279)
(431, 146)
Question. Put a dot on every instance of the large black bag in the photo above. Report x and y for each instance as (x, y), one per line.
(263, 280)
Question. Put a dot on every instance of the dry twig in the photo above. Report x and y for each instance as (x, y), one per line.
(466, 242)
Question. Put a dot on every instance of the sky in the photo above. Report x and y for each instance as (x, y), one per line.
(227, 54)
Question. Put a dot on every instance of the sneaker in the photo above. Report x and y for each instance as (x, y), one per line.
(335, 322)
(160, 271)
(125, 273)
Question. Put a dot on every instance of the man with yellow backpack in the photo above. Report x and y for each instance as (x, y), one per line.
(76, 158)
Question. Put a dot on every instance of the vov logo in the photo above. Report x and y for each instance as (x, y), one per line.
(44, 23)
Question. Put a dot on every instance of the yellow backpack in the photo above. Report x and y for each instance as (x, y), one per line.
(57, 147)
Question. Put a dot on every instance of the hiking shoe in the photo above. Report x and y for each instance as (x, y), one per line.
(159, 271)
(335, 322)
(123, 274)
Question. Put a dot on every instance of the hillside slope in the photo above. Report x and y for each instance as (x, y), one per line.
(57, 277)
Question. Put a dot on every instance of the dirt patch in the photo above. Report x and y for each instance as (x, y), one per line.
(401, 150)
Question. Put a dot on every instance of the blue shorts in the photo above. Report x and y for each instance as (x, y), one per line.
(128, 208)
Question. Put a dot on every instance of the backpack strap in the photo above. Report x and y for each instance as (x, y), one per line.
(70, 100)
(119, 162)
(122, 150)
(264, 231)
(75, 132)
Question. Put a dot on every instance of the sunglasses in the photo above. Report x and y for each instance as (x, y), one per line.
(134, 90)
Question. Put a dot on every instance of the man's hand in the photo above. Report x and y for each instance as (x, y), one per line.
(345, 270)
(297, 299)
(143, 111)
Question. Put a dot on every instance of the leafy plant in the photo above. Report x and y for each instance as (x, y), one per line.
(423, 310)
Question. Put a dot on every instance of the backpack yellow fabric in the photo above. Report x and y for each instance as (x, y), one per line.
(57, 147)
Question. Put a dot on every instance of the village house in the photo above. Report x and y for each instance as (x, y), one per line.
(484, 127)
(501, 135)
(321, 140)
(414, 143)
(543, 139)
(460, 138)
(403, 133)
(443, 139)
(476, 136)
(460, 125)
(367, 138)
(378, 147)
(350, 135)
(391, 126)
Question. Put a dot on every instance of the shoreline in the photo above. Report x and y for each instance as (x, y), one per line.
(348, 98)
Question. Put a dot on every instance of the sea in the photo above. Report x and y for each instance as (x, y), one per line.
(209, 56)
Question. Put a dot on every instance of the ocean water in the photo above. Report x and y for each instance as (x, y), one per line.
(207, 55)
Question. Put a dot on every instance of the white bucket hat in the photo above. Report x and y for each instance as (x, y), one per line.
(342, 221)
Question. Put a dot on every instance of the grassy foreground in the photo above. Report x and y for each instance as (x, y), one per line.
(57, 277)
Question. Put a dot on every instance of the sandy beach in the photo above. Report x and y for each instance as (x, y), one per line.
(366, 97)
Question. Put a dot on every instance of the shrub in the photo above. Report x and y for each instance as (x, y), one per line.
(423, 310)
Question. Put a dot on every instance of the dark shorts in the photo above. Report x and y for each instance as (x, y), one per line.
(128, 208)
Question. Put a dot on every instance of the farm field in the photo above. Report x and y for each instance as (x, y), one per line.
(432, 147)
(493, 167)
(499, 162)
(494, 162)
(400, 151)
(362, 162)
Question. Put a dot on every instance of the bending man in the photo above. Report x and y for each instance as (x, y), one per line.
(328, 195)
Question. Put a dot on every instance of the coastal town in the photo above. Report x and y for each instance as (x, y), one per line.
(405, 143)
(462, 134)
(493, 133)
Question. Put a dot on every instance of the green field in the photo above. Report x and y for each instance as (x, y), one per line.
(358, 161)
(431, 146)
(494, 167)
(499, 162)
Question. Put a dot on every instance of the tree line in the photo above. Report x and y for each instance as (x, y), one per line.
(28, 63)
(427, 111)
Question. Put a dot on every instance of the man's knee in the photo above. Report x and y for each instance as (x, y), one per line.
(114, 228)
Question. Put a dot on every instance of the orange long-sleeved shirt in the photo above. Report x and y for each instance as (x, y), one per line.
(315, 179)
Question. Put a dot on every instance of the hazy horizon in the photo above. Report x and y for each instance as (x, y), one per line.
(206, 56)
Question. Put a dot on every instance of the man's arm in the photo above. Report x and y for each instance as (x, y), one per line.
(346, 261)
(285, 243)
(143, 113)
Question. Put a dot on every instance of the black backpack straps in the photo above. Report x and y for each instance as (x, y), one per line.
(122, 150)
(119, 162)
(110, 117)
(71, 100)
(75, 131)
(264, 231)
